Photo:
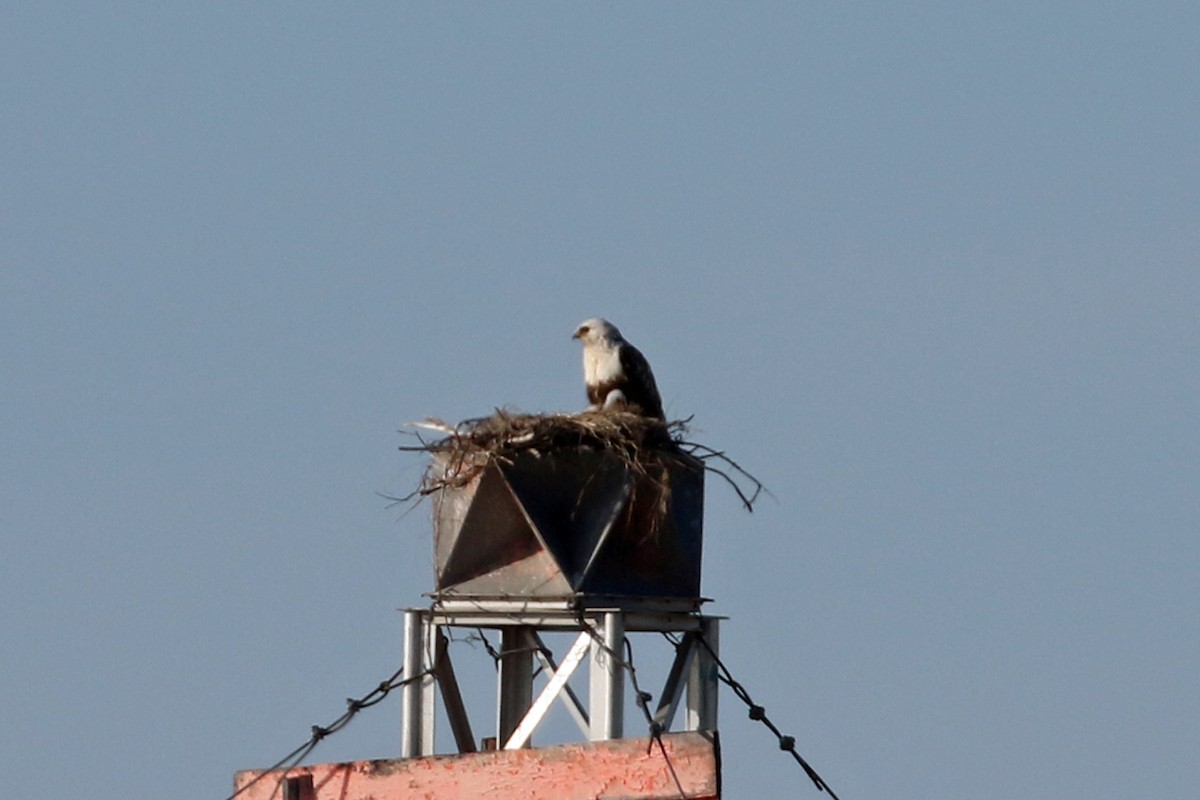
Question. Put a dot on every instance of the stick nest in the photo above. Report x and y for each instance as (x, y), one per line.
(644, 444)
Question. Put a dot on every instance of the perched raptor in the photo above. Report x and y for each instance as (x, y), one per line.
(615, 372)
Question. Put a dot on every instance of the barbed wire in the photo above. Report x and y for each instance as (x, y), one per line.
(759, 714)
(756, 712)
(641, 698)
(624, 661)
(479, 637)
(353, 706)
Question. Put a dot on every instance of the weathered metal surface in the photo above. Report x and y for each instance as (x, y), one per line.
(563, 613)
(599, 631)
(568, 523)
(631, 769)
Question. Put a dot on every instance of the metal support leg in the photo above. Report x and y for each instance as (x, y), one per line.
(677, 678)
(702, 680)
(515, 680)
(416, 733)
(452, 700)
(607, 687)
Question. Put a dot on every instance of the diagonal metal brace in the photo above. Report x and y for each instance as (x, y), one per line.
(569, 698)
(539, 707)
(677, 679)
(456, 712)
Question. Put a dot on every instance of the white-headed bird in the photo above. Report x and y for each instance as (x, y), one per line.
(616, 374)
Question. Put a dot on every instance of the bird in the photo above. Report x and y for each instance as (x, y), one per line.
(616, 374)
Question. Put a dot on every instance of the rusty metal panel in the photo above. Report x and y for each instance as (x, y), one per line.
(569, 522)
(631, 769)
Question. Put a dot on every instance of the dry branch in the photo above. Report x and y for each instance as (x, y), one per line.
(644, 444)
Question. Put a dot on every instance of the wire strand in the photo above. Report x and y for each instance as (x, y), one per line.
(759, 714)
(643, 698)
(353, 706)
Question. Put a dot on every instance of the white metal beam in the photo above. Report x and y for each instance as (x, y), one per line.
(702, 680)
(417, 720)
(558, 681)
(569, 698)
(607, 687)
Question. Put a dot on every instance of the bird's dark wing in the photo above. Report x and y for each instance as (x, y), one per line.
(640, 388)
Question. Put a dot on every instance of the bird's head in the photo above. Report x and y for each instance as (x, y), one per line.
(596, 331)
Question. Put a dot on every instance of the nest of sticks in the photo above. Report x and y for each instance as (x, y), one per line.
(460, 452)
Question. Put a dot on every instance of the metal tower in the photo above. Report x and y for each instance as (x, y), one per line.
(567, 540)
(576, 541)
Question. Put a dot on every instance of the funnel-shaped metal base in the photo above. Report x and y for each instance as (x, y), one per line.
(571, 522)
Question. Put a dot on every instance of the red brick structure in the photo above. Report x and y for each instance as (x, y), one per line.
(686, 765)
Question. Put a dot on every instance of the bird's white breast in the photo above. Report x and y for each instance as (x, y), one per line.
(601, 365)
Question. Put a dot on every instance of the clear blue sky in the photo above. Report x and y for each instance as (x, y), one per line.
(928, 269)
